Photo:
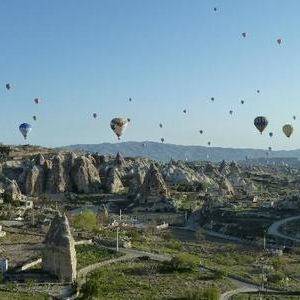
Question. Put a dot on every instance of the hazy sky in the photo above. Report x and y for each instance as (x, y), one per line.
(82, 57)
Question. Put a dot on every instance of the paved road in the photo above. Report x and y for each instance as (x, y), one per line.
(274, 229)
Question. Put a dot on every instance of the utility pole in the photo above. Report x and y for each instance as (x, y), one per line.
(117, 239)
(120, 216)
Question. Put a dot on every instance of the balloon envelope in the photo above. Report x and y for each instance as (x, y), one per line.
(288, 130)
(118, 125)
(25, 129)
(8, 86)
(37, 100)
(95, 115)
(261, 123)
(34, 118)
(244, 34)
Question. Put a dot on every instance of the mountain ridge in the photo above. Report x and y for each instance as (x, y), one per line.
(164, 152)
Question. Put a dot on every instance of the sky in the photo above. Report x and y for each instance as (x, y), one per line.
(81, 57)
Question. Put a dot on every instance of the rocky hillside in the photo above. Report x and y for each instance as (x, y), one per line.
(150, 184)
(159, 151)
(34, 170)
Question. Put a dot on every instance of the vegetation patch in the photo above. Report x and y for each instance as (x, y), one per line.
(90, 254)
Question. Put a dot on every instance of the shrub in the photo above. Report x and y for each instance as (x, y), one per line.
(276, 277)
(209, 293)
(174, 245)
(181, 262)
(86, 220)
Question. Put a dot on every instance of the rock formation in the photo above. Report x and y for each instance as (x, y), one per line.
(85, 176)
(154, 185)
(113, 183)
(59, 255)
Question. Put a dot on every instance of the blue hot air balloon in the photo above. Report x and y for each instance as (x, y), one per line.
(25, 129)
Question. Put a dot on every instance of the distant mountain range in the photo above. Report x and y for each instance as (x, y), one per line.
(164, 152)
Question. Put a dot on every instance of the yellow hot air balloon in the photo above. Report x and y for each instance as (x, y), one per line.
(288, 130)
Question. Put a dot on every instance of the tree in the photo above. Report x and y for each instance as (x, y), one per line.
(85, 220)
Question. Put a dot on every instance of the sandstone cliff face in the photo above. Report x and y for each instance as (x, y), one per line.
(12, 190)
(59, 255)
(113, 183)
(57, 177)
(85, 176)
(35, 181)
(154, 184)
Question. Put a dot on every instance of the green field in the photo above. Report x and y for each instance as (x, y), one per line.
(90, 254)
(147, 280)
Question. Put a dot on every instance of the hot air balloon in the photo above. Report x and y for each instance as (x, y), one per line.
(201, 131)
(231, 112)
(208, 143)
(34, 118)
(261, 123)
(118, 125)
(294, 117)
(258, 91)
(128, 119)
(279, 41)
(212, 99)
(95, 115)
(242, 101)
(162, 140)
(8, 87)
(244, 34)
(215, 9)
(184, 111)
(37, 100)
(288, 130)
(130, 99)
(25, 129)
(270, 149)
(270, 134)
